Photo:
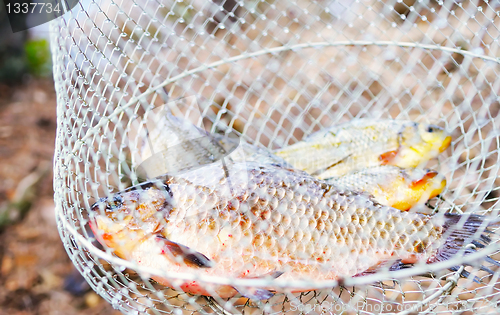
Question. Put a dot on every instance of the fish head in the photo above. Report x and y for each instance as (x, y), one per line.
(417, 187)
(124, 220)
(404, 188)
(428, 183)
(419, 143)
(435, 137)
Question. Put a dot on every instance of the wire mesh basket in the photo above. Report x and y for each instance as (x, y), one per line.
(273, 72)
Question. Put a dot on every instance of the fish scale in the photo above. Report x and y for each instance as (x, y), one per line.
(364, 143)
(348, 147)
(322, 233)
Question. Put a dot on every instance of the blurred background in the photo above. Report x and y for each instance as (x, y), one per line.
(36, 275)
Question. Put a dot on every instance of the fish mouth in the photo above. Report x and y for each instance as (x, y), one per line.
(446, 143)
(428, 178)
(107, 204)
(99, 205)
(437, 185)
(438, 190)
(420, 183)
(431, 174)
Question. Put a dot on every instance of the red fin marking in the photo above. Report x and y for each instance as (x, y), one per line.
(387, 157)
(424, 180)
(107, 236)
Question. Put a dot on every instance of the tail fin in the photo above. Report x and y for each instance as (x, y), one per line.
(461, 231)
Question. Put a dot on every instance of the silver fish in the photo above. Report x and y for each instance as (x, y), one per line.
(268, 221)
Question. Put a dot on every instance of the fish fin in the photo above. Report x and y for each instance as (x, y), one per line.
(477, 244)
(276, 274)
(368, 271)
(260, 294)
(465, 274)
(179, 158)
(318, 172)
(256, 294)
(486, 239)
(484, 268)
(190, 257)
(459, 233)
(488, 270)
(492, 261)
(399, 264)
(272, 274)
(387, 157)
(384, 285)
(378, 267)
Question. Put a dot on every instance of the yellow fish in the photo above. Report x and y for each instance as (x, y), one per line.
(365, 143)
(266, 222)
(394, 186)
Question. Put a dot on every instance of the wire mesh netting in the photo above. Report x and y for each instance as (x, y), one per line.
(272, 73)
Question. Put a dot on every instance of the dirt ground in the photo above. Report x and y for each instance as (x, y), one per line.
(36, 275)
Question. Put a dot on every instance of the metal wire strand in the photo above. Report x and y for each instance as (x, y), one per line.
(272, 73)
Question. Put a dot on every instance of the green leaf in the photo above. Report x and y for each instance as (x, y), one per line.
(38, 57)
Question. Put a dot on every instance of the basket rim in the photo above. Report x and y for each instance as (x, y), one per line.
(458, 259)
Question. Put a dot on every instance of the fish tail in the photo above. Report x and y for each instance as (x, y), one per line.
(465, 234)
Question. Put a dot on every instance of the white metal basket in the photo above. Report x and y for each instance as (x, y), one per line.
(274, 72)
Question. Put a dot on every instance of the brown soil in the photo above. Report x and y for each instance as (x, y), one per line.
(36, 275)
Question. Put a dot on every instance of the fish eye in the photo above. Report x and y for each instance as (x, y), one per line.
(116, 203)
(431, 129)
